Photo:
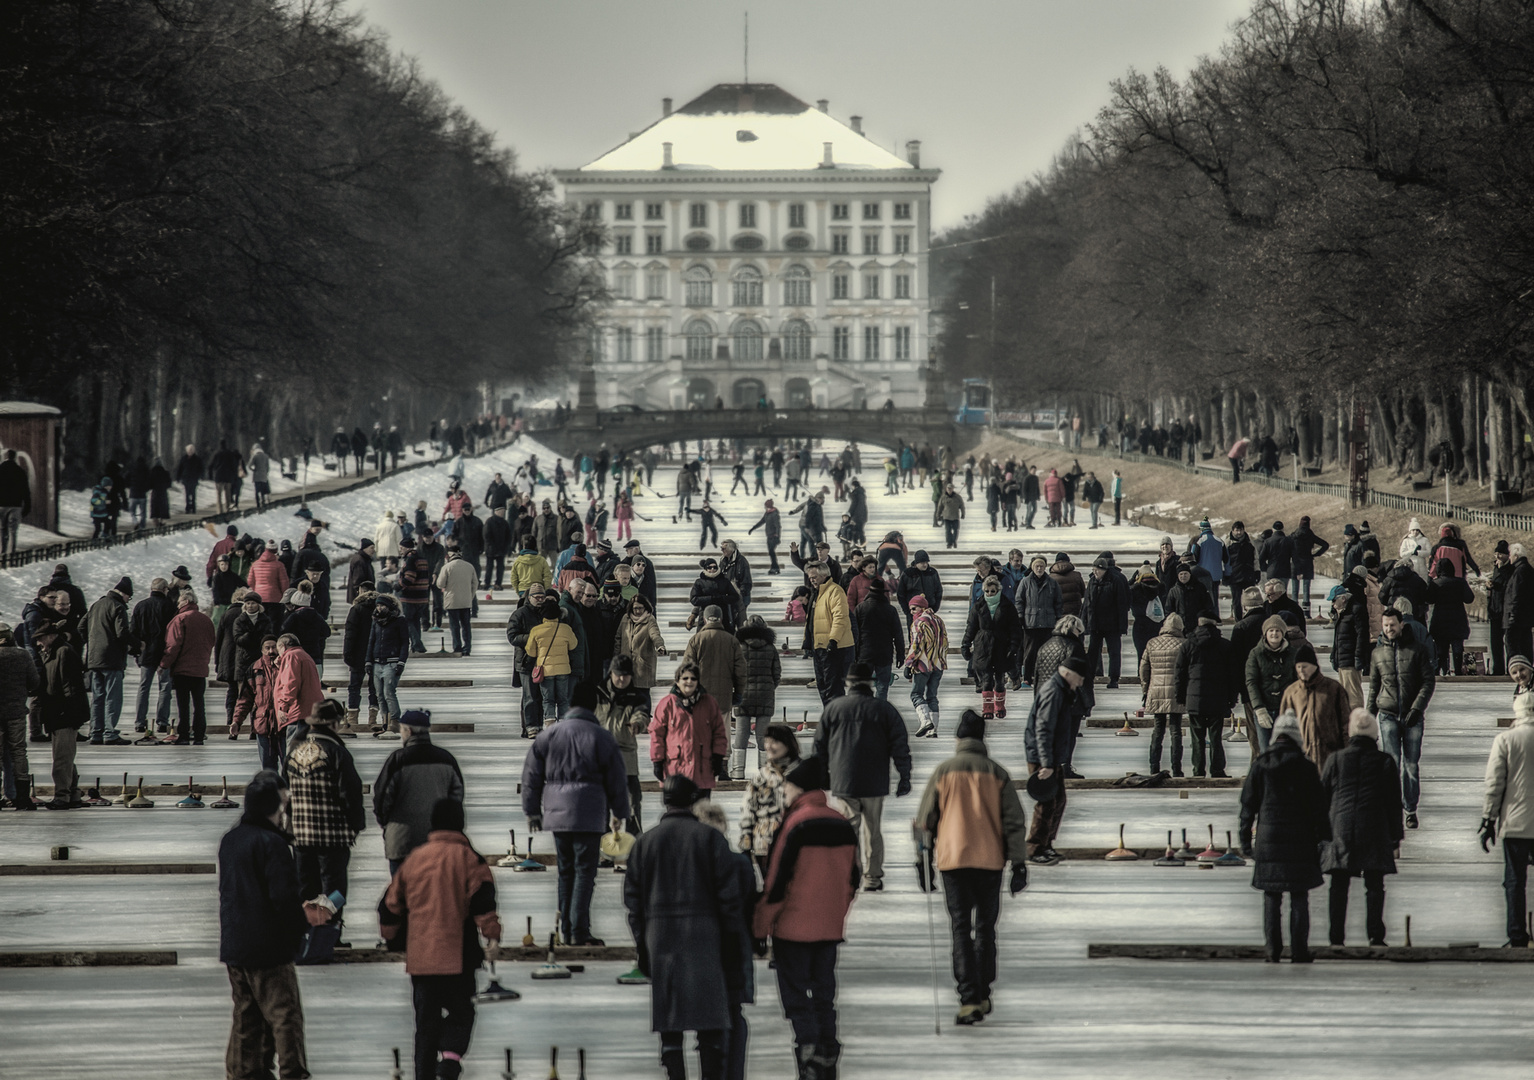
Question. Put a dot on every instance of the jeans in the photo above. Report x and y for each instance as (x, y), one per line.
(924, 686)
(743, 726)
(1299, 924)
(532, 705)
(1096, 510)
(1295, 587)
(444, 1018)
(10, 527)
(148, 678)
(1204, 731)
(138, 512)
(974, 904)
(578, 854)
(1047, 816)
(1165, 721)
(1033, 508)
(708, 528)
(831, 672)
(415, 618)
(321, 870)
(386, 678)
(867, 817)
(496, 565)
(555, 691)
(884, 676)
(1118, 510)
(807, 985)
(1374, 905)
(268, 1020)
(951, 532)
(1257, 735)
(1403, 742)
(463, 633)
(354, 688)
(1115, 645)
(189, 706)
(1517, 854)
(106, 701)
(269, 748)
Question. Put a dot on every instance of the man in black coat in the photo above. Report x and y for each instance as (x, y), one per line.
(1496, 605)
(262, 920)
(309, 558)
(1276, 556)
(880, 636)
(470, 534)
(1363, 789)
(1205, 685)
(497, 537)
(920, 578)
(858, 738)
(1283, 795)
(151, 616)
(15, 500)
(354, 654)
(682, 891)
(189, 475)
(1517, 603)
(1105, 612)
(359, 570)
(524, 619)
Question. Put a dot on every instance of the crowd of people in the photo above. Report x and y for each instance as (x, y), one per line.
(1332, 788)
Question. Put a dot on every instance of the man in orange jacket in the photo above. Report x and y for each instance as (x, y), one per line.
(812, 876)
(440, 886)
(296, 690)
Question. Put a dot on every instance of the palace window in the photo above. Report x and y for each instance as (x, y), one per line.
(796, 215)
(700, 340)
(902, 286)
(870, 343)
(748, 288)
(748, 215)
(870, 211)
(748, 342)
(840, 287)
(654, 211)
(902, 343)
(796, 287)
(841, 343)
(902, 243)
(623, 211)
(654, 244)
(840, 243)
(700, 287)
(797, 340)
(697, 215)
(655, 343)
(623, 244)
(870, 286)
(655, 284)
(902, 211)
(841, 211)
(623, 340)
(870, 243)
(623, 284)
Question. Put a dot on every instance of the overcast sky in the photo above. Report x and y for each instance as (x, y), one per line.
(993, 88)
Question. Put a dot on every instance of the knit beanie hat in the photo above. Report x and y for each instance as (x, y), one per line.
(1305, 654)
(971, 725)
(809, 775)
(124, 585)
(1287, 724)
(1363, 722)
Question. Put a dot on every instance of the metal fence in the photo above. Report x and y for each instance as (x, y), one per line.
(65, 548)
(1497, 519)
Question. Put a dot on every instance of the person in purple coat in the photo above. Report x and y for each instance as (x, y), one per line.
(574, 784)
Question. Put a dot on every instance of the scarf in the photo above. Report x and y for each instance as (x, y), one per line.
(687, 701)
(993, 602)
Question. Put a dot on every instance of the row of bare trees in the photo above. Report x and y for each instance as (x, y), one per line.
(1338, 208)
(242, 218)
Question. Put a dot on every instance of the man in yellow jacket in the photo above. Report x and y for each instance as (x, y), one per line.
(828, 633)
(972, 810)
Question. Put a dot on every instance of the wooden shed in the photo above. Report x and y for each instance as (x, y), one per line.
(36, 433)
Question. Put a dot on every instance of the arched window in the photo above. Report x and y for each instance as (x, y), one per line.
(748, 287)
(747, 392)
(796, 393)
(700, 287)
(700, 340)
(748, 341)
(797, 340)
(796, 287)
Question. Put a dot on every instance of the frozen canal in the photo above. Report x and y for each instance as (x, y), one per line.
(1057, 1013)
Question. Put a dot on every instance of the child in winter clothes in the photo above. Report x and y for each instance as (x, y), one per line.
(625, 516)
(797, 611)
(847, 534)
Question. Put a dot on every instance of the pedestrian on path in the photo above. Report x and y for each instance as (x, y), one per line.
(575, 785)
(859, 737)
(19, 680)
(689, 734)
(812, 877)
(682, 890)
(414, 778)
(262, 919)
(326, 811)
(189, 642)
(971, 809)
(445, 895)
(1401, 683)
(1363, 789)
(1158, 687)
(109, 643)
(1047, 742)
(1321, 704)
(1283, 796)
(1508, 809)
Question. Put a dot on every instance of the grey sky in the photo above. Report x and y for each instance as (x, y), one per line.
(993, 88)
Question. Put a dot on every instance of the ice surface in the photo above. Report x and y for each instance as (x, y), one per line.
(1056, 1013)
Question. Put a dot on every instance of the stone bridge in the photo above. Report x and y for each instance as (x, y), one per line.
(628, 429)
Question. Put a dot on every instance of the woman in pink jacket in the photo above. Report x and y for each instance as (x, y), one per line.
(688, 734)
(1054, 495)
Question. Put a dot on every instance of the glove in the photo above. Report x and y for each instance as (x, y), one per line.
(1019, 879)
(1488, 833)
(1265, 718)
(907, 673)
(1414, 717)
(903, 788)
(720, 772)
(535, 823)
(660, 770)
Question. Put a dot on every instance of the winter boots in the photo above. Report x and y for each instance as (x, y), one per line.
(987, 705)
(24, 793)
(1000, 700)
(738, 764)
(389, 730)
(928, 728)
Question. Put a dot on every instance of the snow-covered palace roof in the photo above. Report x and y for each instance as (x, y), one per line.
(747, 127)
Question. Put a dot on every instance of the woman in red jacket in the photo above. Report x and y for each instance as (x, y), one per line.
(688, 735)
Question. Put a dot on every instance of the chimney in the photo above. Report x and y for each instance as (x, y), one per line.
(826, 162)
(913, 152)
(666, 155)
(823, 105)
(857, 124)
(665, 106)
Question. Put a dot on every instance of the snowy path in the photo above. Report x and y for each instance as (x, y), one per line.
(1056, 1012)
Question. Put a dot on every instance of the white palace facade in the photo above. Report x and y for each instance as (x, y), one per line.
(757, 247)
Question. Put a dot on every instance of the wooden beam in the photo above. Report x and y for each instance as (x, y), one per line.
(89, 958)
(84, 869)
(1416, 954)
(502, 954)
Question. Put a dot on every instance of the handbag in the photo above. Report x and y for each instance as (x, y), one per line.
(537, 673)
